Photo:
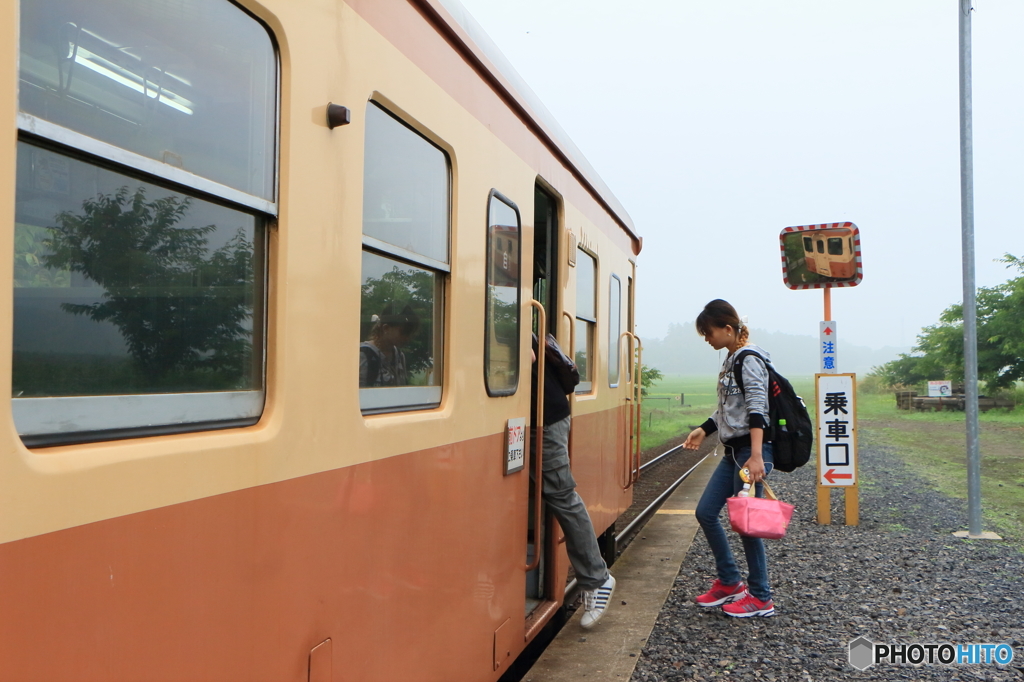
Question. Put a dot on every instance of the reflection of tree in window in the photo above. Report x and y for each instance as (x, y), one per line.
(30, 250)
(398, 288)
(185, 313)
(835, 246)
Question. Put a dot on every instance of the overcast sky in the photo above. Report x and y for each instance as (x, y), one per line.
(717, 123)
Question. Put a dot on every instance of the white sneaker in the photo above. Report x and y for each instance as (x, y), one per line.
(595, 603)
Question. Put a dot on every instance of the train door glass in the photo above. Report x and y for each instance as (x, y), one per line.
(545, 254)
(545, 290)
(501, 319)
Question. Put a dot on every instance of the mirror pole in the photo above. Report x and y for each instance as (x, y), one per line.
(828, 304)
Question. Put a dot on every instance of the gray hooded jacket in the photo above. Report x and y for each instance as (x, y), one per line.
(740, 410)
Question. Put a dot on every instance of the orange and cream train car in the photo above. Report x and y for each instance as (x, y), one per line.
(830, 252)
(271, 270)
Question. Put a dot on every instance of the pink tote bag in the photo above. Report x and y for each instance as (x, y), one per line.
(760, 517)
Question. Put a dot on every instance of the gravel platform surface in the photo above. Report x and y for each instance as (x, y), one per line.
(898, 577)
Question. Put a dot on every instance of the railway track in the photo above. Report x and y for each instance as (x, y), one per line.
(660, 475)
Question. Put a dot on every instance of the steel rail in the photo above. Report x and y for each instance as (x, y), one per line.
(660, 457)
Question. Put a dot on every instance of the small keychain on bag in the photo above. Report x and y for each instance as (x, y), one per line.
(745, 477)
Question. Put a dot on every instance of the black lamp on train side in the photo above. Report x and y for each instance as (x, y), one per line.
(337, 115)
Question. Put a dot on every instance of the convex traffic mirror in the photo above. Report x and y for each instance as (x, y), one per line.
(821, 256)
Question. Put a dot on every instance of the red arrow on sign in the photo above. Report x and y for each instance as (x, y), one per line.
(831, 475)
(828, 331)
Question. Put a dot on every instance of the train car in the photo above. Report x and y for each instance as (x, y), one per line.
(274, 270)
(830, 253)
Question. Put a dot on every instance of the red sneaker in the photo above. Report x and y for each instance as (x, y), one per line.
(750, 606)
(721, 594)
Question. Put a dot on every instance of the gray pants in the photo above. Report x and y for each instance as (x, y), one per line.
(565, 503)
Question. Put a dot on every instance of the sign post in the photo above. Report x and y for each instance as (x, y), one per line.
(826, 256)
(835, 399)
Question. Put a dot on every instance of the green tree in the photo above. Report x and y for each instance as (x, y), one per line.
(648, 377)
(908, 370)
(1000, 315)
(939, 353)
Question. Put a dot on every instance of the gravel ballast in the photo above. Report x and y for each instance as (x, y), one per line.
(900, 577)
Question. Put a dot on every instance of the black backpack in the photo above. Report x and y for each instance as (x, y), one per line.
(789, 425)
(372, 366)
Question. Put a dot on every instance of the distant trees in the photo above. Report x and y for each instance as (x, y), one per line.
(648, 377)
(939, 353)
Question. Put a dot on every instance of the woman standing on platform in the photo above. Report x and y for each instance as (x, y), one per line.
(741, 420)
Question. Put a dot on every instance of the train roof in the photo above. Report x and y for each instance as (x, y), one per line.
(504, 78)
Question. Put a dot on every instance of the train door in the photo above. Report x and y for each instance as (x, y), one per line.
(822, 260)
(545, 290)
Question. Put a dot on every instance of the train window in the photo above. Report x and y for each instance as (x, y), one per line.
(835, 246)
(501, 335)
(821, 246)
(614, 329)
(406, 197)
(190, 86)
(400, 306)
(144, 187)
(586, 318)
(405, 189)
(808, 245)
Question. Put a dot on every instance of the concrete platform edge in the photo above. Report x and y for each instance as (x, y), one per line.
(645, 573)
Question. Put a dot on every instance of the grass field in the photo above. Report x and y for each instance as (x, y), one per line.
(664, 418)
(932, 442)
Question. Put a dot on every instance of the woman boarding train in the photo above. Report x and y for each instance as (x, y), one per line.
(741, 419)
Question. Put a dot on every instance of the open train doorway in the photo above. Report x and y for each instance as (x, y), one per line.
(545, 290)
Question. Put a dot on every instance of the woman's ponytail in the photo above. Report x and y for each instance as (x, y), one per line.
(742, 334)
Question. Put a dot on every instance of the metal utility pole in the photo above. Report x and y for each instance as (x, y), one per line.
(970, 303)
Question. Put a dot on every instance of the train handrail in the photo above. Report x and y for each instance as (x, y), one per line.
(635, 355)
(638, 387)
(631, 420)
(572, 396)
(538, 445)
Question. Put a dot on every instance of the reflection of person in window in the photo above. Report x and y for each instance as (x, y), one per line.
(381, 360)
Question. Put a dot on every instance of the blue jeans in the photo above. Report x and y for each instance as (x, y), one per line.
(726, 482)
